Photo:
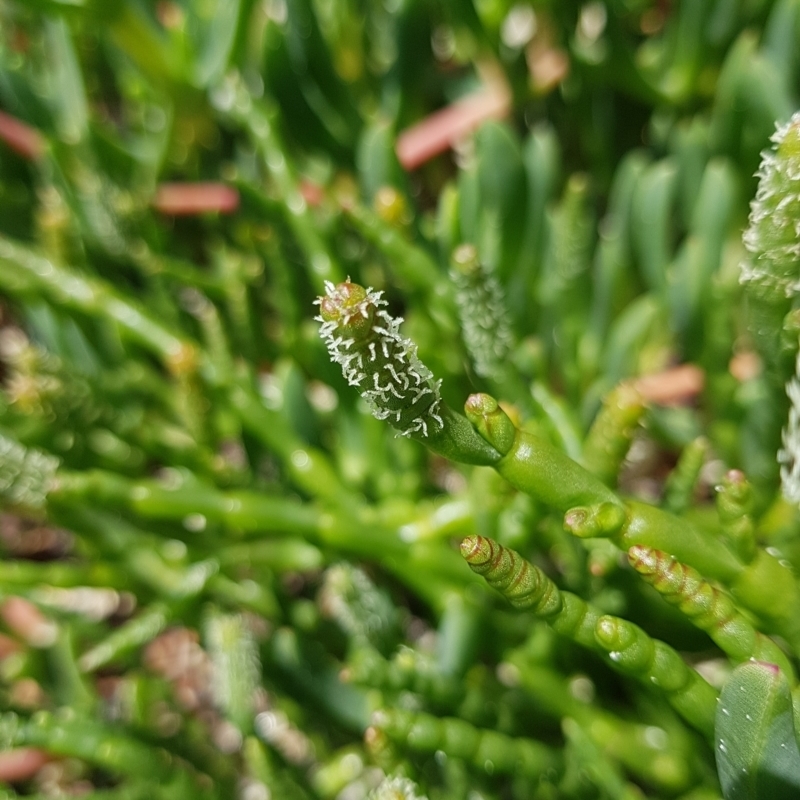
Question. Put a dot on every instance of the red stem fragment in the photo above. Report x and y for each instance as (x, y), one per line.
(23, 139)
(190, 199)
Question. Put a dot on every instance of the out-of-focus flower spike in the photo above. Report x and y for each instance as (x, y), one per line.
(236, 668)
(358, 606)
(773, 235)
(26, 475)
(482, 312)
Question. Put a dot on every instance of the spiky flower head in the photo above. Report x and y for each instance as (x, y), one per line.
(482, 312)
(773, 235)
(364, 339)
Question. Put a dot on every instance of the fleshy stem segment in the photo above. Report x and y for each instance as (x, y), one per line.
(709, 608)
(627, 647)
(591, 510)
(485, 749)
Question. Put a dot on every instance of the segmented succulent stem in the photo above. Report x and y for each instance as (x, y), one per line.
(735, 508)
(629, 649)
(127, 638)
(482, 312)
(610, 436)
(65, 734)
(406, 671)
(366, 343)
(680, 486)
(532, 464)
(526, 586)
(522, 584)
(485, 749)
(656, 664)
(709, 608)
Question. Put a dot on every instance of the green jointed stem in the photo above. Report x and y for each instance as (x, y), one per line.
(707, 607)
(411, 264)
(664, 762)
(131, 636)
(485, 749)
(680, 485)
(245, 511)
(533, 465)
(66, 734)
(735, 508)
(592, 509)
(656, 664)
(408, 670)
(628, 648)
(261, 120)
(610, 436)
(767, 587)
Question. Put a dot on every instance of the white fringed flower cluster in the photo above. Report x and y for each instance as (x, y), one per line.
(773, 234)
(365, 341)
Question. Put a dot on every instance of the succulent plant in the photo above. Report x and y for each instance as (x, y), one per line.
(516, 517)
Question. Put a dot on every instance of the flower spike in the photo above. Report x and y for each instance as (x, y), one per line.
(364, 339)
(773, 235)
